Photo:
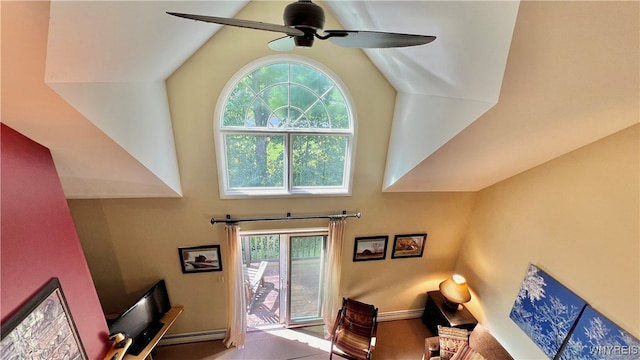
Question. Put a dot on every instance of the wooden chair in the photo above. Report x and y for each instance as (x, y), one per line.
(354, 333)
(254, 280)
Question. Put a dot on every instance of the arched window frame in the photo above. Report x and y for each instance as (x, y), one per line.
(220, 131)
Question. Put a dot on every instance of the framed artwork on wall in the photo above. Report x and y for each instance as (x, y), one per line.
(596, 337)
(200, 258)
(370, 248)
(545, 310)
(411, 245)
(42, 328)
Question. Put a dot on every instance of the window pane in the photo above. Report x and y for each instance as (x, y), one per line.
(276, 96)
(236, 106)
(305, 293)
(297, 119)
(311, 78)
(318, 160)
(338, 109)
(302, 98)
(266, 76)
(258, 115)
(255, 160)
(319, 117)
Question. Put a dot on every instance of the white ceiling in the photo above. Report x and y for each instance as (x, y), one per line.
(571, 78)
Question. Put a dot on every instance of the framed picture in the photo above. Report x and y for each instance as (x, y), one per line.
(370, 248)
(42, 328)
(596, 337)
(200, 258)
(545, 310)
(411, 245)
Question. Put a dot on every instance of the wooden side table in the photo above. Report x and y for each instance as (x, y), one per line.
(436, 313)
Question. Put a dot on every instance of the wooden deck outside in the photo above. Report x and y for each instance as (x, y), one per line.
(305, 298)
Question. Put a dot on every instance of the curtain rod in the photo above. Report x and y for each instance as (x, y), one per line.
(230, 220)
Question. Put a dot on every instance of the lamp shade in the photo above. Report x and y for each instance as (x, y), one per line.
(455, 290)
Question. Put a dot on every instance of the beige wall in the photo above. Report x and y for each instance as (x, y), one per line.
(130, 243)
(577, 218)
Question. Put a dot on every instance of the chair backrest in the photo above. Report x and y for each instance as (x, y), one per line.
(255, 274)
(358, 316)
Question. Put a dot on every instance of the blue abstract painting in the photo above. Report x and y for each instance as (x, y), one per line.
(596, 337)
(545, 310)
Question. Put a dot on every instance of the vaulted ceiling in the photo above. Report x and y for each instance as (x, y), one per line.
(506, 86)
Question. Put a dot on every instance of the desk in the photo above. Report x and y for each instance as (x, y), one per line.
(168, 319)
(435, 313)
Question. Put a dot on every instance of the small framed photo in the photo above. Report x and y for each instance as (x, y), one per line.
(411, 245)
(370, 248)
(200, 258)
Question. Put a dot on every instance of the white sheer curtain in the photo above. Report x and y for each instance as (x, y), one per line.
(331, 300)
(236, 302)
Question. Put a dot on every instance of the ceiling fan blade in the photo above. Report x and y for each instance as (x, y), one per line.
(374, 39)
(286, 43)
(242, 23)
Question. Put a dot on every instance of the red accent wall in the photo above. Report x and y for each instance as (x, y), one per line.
(39, 240)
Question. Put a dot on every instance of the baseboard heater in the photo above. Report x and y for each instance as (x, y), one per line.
(185, 338)
(400, 315)
(190, 337)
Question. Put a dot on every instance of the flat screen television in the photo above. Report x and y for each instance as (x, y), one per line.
(141, 321)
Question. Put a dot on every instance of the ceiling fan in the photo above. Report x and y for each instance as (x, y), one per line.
(302, 22)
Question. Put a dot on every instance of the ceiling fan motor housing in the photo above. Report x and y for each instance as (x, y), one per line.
(306, 16)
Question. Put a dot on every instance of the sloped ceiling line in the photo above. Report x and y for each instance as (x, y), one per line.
(123, 51)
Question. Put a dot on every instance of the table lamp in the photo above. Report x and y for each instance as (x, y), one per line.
(455, 292)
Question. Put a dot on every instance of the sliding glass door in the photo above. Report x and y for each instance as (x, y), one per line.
(306, 265)
(288, 291)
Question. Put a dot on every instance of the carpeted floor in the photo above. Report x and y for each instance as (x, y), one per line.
(401, 339)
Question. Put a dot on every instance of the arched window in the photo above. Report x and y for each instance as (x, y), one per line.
(284, 126)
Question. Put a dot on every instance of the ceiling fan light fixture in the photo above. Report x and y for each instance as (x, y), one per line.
(305, 41)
